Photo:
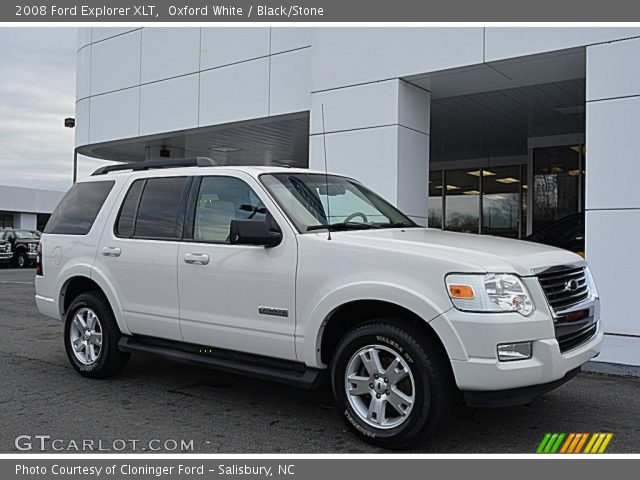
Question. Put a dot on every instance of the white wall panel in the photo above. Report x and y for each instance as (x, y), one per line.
(349, 56)
(413, 173)
(102, 33)
(115, 115)
(620, 350)
(360, 106)
(169, 105)
(369, 156)
(233, 93)
(611, 250)
(289, 38)
(83, 36)
(289, 85)
(169, 52)
(613, 169)
(614, 70)
(83, 73)
(516, 41)
(223, 45)
(115, 63)
(414, 107)
(81, 129)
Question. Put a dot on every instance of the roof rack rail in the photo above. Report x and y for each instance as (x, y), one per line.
(152, 164)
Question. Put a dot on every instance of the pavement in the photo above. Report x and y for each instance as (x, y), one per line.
(154, 402)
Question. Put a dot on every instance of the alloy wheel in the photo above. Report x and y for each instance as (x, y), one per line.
(85, 335)
(380, 386)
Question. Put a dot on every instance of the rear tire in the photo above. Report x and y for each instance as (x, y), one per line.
(399, 397)
(91, 337)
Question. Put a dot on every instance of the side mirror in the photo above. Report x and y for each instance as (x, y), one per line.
(254, 232)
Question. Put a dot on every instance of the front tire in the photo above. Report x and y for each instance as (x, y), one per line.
(91, 337)
(391, 383)
(21, 260)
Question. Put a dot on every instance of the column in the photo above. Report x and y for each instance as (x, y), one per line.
(377, 133)
(612, 193)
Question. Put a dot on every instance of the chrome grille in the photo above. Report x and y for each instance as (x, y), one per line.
(564, 287)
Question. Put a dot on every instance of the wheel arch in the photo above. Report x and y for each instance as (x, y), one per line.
(351, 314)
(78, 284)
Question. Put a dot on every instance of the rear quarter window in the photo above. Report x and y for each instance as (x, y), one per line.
(79, 208)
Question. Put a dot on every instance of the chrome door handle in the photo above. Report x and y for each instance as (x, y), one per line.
(111, 251)
(196, 258)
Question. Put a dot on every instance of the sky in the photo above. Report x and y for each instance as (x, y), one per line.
(37, 92)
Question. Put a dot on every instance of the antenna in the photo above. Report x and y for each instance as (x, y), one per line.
(326, 174)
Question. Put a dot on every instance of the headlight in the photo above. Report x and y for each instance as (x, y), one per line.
(491, 292)
(590, 282)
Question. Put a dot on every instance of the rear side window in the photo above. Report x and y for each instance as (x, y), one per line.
(153, 209)
(79, 208)
(127, 217)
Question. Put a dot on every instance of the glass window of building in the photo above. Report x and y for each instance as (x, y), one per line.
(435, 199)
(462, 200)
(556, 184)
(501, 201)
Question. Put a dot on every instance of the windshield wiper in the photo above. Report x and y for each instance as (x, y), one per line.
(342, 226)
(397, 225)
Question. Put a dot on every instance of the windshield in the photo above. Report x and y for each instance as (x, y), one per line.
(27, 235)
(314, 201)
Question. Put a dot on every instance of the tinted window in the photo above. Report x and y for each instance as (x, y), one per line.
(159, 214)
(125, 226)
(79, 208)
(220, 200)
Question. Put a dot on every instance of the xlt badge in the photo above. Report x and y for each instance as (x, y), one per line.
(278, 312)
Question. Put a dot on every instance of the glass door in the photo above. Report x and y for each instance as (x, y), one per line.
(557, 184)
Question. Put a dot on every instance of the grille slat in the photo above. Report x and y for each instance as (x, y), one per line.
(555, 286)
(575, 339)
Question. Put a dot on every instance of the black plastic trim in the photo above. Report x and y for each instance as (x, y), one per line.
(514, 396)
(256, 366)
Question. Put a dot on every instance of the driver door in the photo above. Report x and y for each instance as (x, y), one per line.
(237, 297)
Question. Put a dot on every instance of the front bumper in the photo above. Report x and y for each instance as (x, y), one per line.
(6, 257)
(474, 358)
(514, 396)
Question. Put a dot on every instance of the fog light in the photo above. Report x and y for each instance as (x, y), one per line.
(509, 352)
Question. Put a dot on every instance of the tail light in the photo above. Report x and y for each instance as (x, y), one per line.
(39, 261)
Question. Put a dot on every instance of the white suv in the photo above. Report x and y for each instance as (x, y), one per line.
(296, 276)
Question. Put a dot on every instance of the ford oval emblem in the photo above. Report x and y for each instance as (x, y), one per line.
(571, 286)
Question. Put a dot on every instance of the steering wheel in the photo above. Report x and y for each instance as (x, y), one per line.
(354, 215)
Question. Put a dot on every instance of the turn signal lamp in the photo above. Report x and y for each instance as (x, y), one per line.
(461, 291)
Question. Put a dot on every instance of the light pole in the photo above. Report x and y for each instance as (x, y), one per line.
(70, 122)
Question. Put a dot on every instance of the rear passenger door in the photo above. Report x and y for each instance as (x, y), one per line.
(237, 297)
(138, 254)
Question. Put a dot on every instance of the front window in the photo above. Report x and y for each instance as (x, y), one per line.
(316, 201)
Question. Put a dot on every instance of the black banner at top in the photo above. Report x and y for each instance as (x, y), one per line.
(294, 11)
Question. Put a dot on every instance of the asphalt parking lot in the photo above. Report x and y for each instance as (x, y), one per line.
(153, 399)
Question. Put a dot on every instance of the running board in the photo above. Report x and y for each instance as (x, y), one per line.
(265, 368)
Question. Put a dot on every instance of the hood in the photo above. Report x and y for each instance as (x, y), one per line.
(481, 253)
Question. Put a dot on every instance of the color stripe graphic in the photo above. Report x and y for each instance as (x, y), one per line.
(574, 443)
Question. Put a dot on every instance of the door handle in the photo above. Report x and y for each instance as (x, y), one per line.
(111, 251)
(196, 258)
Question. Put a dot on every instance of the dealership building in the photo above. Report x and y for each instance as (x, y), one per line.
(26, 208)
(489, 131)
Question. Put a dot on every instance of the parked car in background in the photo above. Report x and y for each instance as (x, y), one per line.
(6, 255)
(567, 233)
(23, 246)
